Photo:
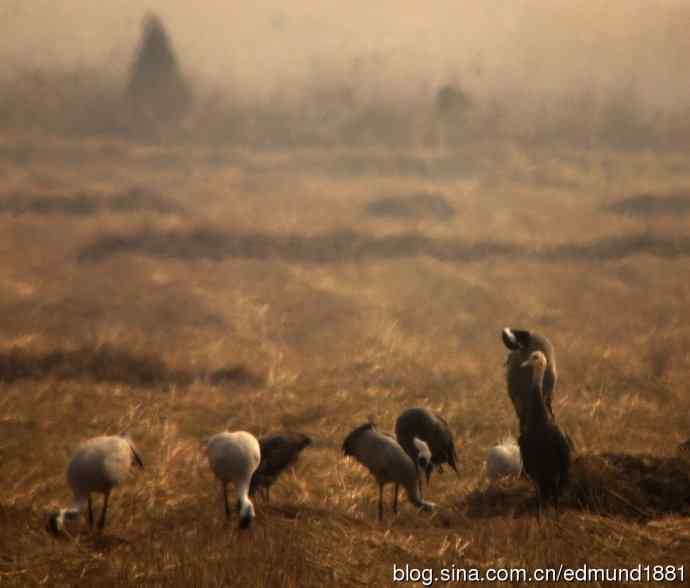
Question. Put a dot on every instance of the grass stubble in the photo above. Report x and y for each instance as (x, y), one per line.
(286, 304)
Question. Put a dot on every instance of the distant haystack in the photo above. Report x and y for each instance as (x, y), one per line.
(451, 101)
(156, 91)
(450, 108)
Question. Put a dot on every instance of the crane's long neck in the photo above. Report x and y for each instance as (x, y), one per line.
(242, 489)
(244, 503)
(412, 489)
(537, 413)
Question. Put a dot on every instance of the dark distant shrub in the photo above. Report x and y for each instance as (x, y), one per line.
(652, 204)
(156, 91)
(422, 205)
(451, 101)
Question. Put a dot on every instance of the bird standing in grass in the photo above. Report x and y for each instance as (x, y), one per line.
(544, 448)
(234, 457)
(434, 431)
(387, 461)
(97, 466)
(278, 452)
(521, 345)
(503, 460)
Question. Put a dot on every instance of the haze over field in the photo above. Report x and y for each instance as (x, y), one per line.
(538, 47)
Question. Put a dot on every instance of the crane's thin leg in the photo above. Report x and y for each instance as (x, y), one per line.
(540, 504)
(90, 512)
(104, 510)
(225, 498)
(395, 499)
(380, 502)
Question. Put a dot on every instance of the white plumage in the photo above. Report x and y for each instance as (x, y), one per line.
(97, 466)
(234, 457)
(504, 460)
(423, 454)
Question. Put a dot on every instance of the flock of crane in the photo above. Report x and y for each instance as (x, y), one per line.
(422, 441)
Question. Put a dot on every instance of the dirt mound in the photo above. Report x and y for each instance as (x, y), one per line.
(422, 205)
(633, 486)
(637, 487)
(509, 497)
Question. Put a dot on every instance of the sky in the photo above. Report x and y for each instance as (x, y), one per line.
(546, 47)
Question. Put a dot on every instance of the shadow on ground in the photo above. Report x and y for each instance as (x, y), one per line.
(350, 246)
(652, 204)
(134, 199)
(424, 205)
(110, 364)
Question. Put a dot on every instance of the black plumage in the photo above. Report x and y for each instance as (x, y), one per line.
(278, 452)
(521, 345)
(432, 429)
(544, 448)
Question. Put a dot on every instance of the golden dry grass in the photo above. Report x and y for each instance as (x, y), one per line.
(264, 297)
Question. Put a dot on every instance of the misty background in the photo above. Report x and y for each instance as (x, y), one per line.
(330, 73)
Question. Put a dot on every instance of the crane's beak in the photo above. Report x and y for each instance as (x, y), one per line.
(54, 526)
(246, 522)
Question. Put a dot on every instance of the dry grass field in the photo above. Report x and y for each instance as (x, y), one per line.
(174, 291)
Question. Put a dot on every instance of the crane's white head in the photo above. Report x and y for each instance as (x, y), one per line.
(56, 520)
(423, 457)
